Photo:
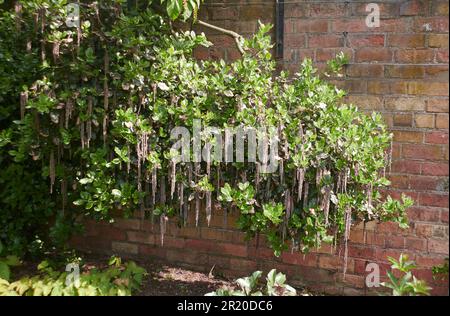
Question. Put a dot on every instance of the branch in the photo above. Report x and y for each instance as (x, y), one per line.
(237, 37)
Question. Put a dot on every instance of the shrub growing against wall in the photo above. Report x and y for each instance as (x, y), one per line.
(88, 113)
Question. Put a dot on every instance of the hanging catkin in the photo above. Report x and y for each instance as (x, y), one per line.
(325, 205)
(68, 112)
(305, 195)
(257, 176)
(208, 206)
(348, 223)
(300, 180)
(82, 135)
(23, 103)
(281, 172)
(18, 16)
(89, 122)
(105, 95)
(173, 177)
(154, 184)
(218, 181)
(42, 18)
(55, 51)
(391, 147)
(52, 171)
(197, 198)
(129, 159)
(162, 227)
(181, 198)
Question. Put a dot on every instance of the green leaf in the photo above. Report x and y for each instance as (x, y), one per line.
(5, 272)
(174, 8)
(117, 193)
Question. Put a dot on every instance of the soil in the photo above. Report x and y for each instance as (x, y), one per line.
(162, 279)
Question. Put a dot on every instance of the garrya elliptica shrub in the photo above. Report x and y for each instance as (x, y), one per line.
(87, 114)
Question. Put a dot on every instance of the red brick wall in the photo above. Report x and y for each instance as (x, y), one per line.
(399, 69)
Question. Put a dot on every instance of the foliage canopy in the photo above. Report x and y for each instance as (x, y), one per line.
(86, 115)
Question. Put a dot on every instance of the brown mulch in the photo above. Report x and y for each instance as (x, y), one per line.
(162, 279)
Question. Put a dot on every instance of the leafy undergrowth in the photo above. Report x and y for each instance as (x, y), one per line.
(116, 279)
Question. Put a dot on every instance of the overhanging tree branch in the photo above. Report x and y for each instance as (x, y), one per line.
(236, 36)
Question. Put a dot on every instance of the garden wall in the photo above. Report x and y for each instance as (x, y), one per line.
(399, 69)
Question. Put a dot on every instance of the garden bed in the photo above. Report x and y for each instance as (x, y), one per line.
(161, 280)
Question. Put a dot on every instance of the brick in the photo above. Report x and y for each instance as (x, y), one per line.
(431, 199)
(444, 216)
(412, 7)
(404, 120)
(367, 40)
(428, 88)
(365, 70)
(125, 248)
(436, 137)
(387, 87)
(414, 56)
(424, 230)
(111, 233)
(399, 181)
(327, 40)
(296, 10)
(442, 121)
(305, 53)
(442, 56)
(440, 231)
(438, 246)
(424, 183)
(374, 54)
(141, 237)
(127, 223)
(406, 166)
(437, 72)
(388, 119)
(431, 24)
(355, 86)
(295, 40)
(243, 265)
(386, 9)
(408, 136)
(440, 8)
(404, 104)
(407, 72)
(355, 281)
(330, 262)
(424, 214)
(311, 26)
(406, 40)
(296, 258)
(361, 252)
(228, 13)
(170, 242)
(424, 120)
(418, 151)
(255, 12)
(328, 10)
(438, 40)
(394, 25)
(325, 54)
(395, 242)
(349, 25)
(366, 102)
(231, 249)
(435, 169)
(437, 105)
(153, 251)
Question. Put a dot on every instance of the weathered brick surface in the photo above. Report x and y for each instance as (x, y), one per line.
(399, 69)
